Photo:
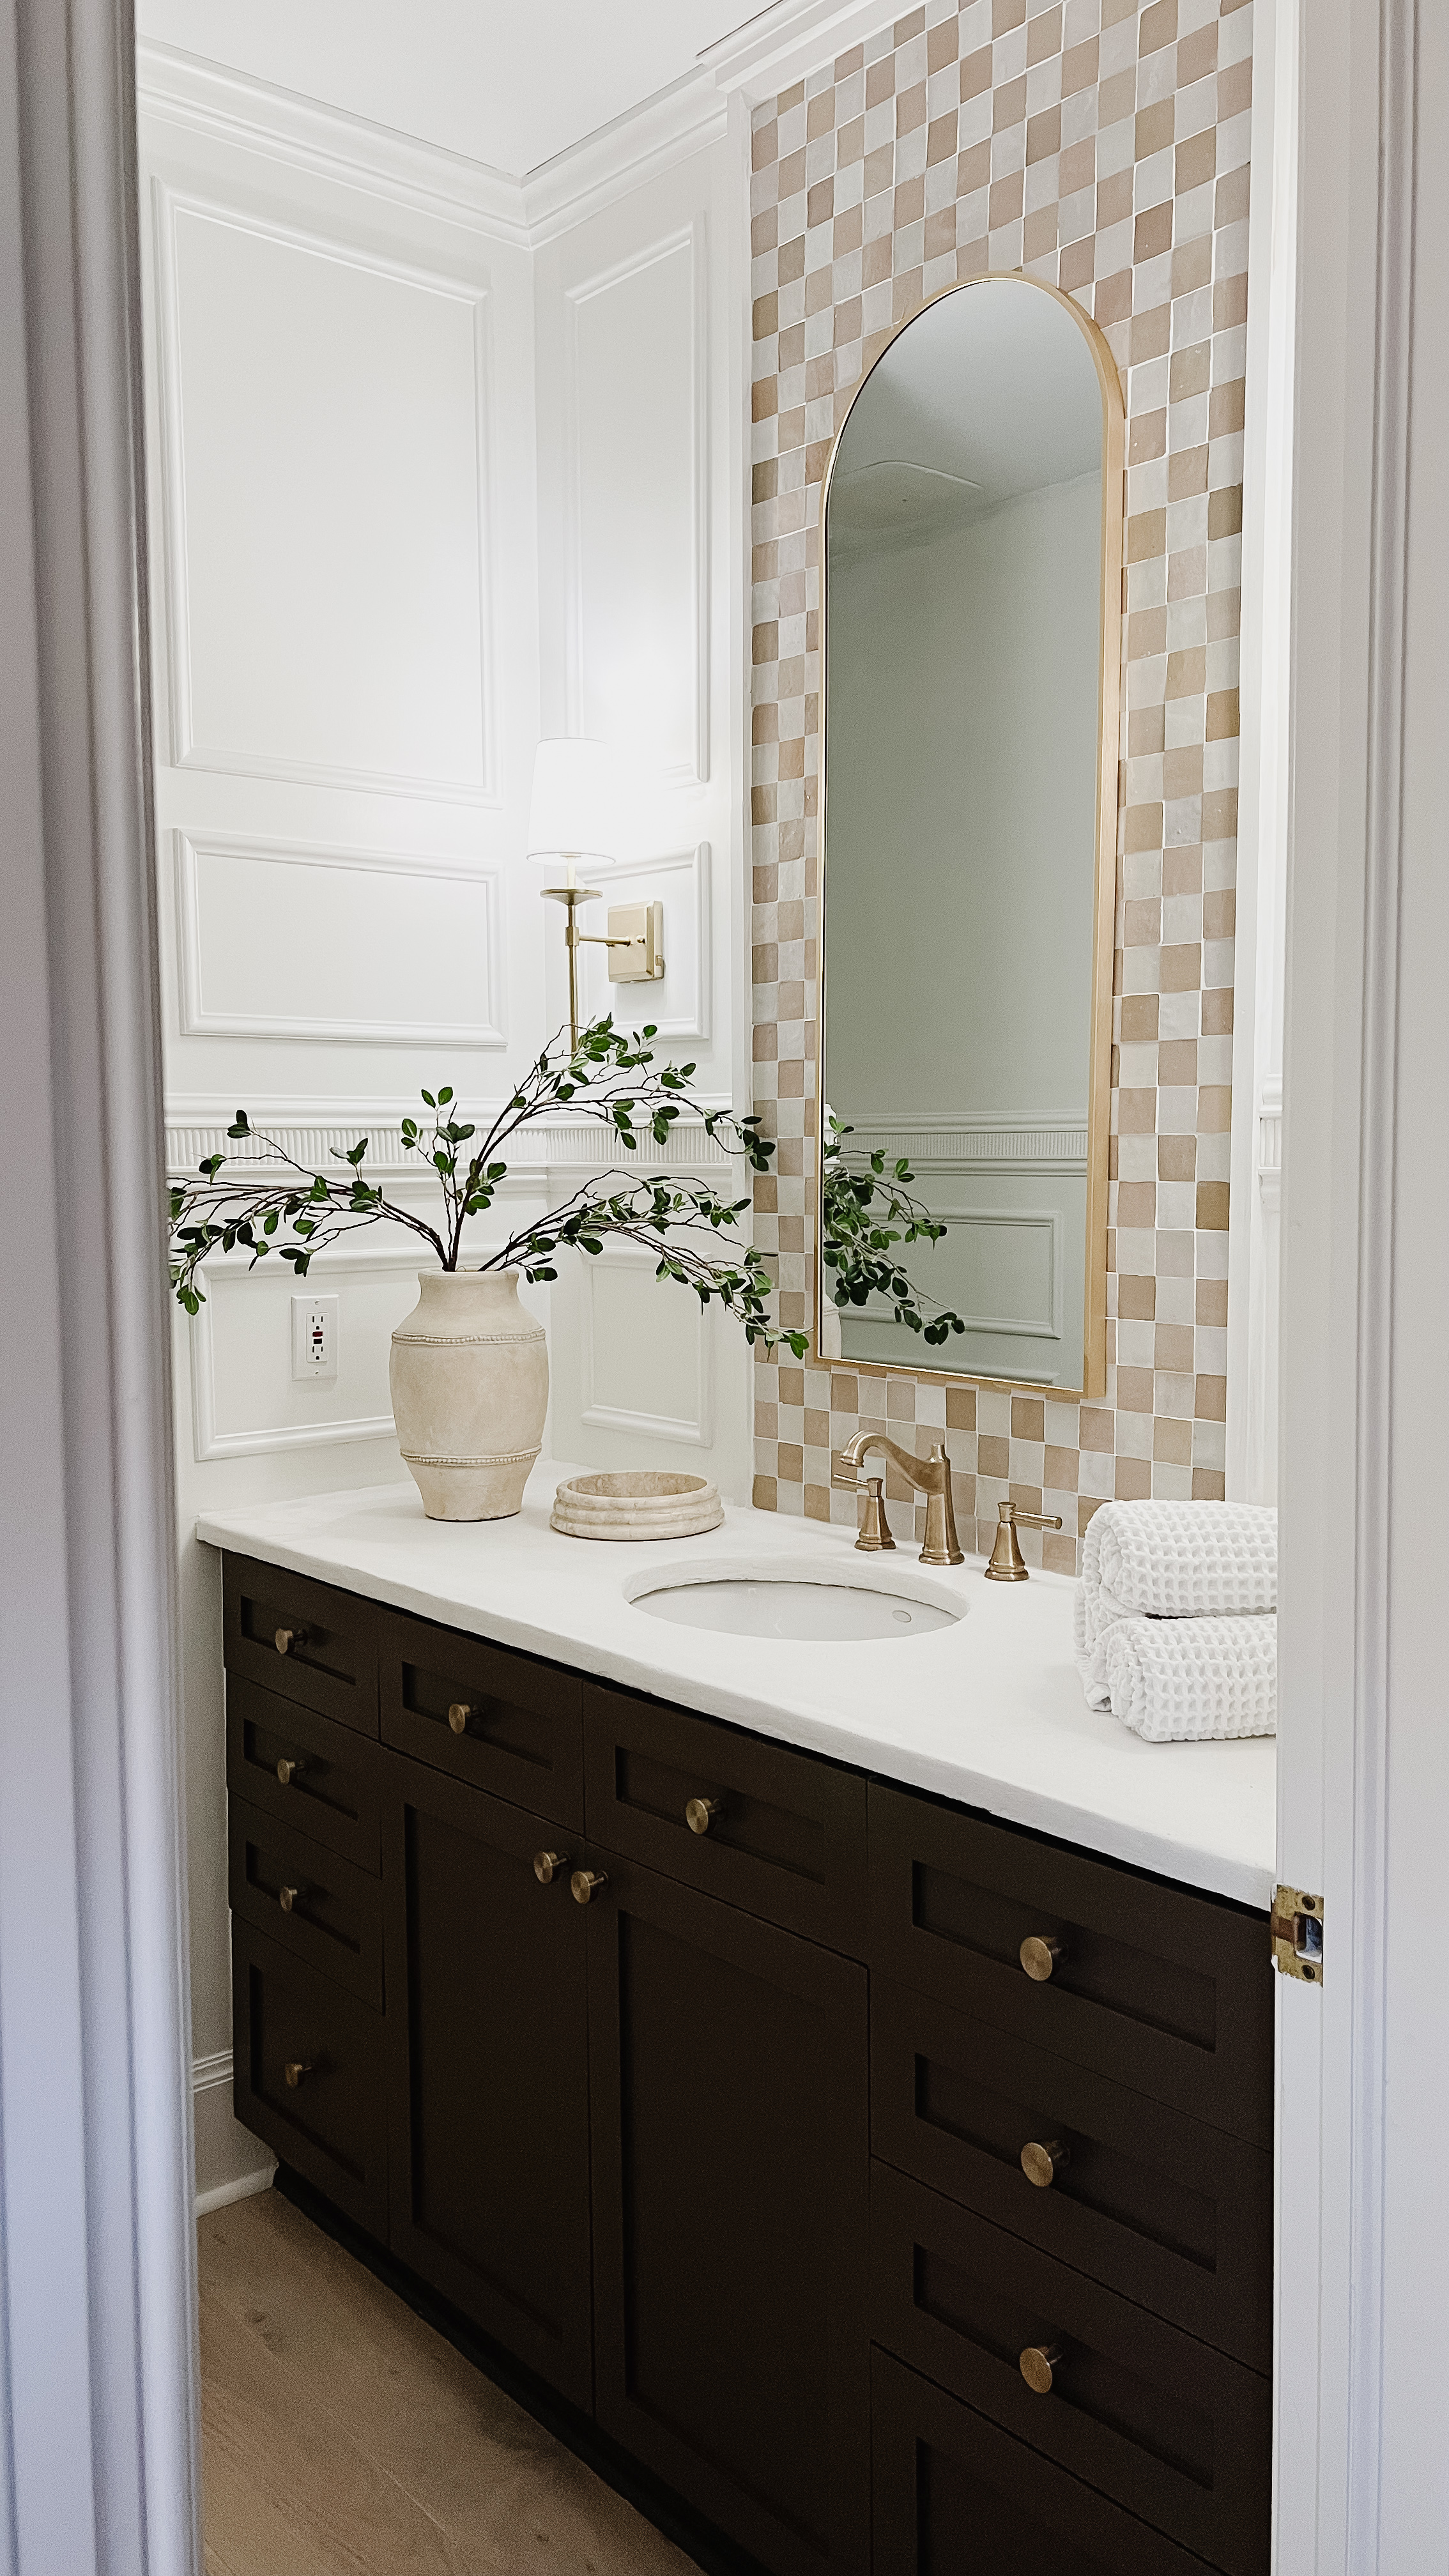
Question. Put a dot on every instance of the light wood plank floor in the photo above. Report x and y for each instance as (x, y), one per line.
(342, 2437)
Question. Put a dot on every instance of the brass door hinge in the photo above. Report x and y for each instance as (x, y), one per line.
(1295, 1929)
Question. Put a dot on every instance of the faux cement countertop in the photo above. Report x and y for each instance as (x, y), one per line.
(989, 1711)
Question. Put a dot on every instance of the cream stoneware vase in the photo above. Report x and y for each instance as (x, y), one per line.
(469, 1378)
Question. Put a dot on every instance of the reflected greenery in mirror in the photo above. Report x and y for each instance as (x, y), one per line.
(971, 549)
(867, 1214)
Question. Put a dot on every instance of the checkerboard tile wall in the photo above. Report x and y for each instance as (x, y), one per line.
(1101, 145)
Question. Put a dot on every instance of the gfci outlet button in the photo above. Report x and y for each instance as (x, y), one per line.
(314, 1337)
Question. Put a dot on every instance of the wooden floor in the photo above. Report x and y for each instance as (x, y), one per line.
(342, 2437)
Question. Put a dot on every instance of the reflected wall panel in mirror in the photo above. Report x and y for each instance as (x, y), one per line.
(973, 527)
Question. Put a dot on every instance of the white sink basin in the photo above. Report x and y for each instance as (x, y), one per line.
(817, 1608)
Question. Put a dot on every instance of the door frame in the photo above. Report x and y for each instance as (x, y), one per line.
(99, 2450)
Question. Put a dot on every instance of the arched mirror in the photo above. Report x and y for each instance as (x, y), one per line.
(971, 640)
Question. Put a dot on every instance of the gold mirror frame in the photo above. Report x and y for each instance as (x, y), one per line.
(1109, 694)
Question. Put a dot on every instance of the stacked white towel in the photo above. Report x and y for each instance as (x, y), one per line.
(1176, 1629)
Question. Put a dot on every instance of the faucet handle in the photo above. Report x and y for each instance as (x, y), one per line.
(1007, 1564)
(875, 1532)
(841, 1475)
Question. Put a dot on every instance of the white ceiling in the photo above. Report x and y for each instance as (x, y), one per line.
(508, 82)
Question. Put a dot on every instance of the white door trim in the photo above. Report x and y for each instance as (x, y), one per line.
(98, 2413)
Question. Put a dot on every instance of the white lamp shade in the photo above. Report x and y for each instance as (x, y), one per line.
(580, 802)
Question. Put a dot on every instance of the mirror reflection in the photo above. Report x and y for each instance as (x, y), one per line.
(971, 647)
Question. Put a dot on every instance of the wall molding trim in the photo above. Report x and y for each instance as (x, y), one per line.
(638, 146)
(191, 848)
(327, 142)
(331, 143)
(315, 1130)
(780, 44)
(694, 1431)
(693, 238)
(168, 202)
(944, 1141)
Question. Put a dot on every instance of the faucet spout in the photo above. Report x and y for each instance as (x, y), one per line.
(930, 1476)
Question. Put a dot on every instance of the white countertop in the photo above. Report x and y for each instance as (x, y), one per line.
(989, 1711)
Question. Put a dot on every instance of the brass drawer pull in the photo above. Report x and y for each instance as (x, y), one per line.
(294, 2071)
(460, 1713)
(1039, 2365)
(699, 1814)
(289, 1897)
(1042, 2164)
(585, 1883)
(287, 1640)
(1039, 1954)
(547, 1866)
(290, 1768)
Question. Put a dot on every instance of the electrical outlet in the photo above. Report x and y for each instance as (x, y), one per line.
(314, 1337)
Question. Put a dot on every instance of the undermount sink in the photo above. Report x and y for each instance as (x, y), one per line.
(805, 1606)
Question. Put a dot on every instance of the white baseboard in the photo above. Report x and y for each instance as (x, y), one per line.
(223, 2193)
(230, 2163)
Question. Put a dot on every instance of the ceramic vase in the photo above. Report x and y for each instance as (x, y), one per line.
(469, 1378)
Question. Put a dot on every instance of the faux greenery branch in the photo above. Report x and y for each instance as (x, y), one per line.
(866, 1212)
(267, 1202)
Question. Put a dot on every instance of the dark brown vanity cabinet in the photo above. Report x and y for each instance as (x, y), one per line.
(487, 2067)
(891, 2184)
(730, 2133)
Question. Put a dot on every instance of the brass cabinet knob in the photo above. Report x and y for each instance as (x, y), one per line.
(294, 2071)
(585, 1883)
(459, 1714)
(1039, 2365)
(547, 1866)
(286, 1640)
(289, 1769)
(698, 1813)
(1042, 2164)
(1039, 1954)
(287, 1897)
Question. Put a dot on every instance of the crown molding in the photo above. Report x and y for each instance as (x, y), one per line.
(332, 143)
(685, 118)
(327, 142)
(783, 43)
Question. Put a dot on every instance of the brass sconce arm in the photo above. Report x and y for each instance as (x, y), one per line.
(930, 1476)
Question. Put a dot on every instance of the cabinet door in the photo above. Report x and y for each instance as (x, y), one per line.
(488, 2068)
(729, 2112)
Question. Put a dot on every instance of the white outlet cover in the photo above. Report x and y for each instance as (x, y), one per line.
(314, 1337)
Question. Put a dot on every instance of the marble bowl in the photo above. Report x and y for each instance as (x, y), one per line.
(635, 1503)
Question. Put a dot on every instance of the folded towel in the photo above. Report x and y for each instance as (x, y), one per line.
(1170, 1561)
(1184, 1681)
(1184, 1560)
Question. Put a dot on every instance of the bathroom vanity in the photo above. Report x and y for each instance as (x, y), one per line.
(764, 2042)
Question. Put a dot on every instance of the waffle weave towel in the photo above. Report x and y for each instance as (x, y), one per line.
(1170, 1561)
(1183, 1681)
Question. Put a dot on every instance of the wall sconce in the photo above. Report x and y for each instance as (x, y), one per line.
(580, 815)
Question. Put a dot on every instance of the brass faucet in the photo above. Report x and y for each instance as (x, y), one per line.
(930, 1476)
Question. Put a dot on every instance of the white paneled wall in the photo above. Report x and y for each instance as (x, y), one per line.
(436, 463)
(641, 539)
(340, 382)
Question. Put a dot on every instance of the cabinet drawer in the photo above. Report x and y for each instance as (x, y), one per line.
(329, 2121)
(955, 2496)
(1169, 2428)
(308, 1899)
(1168, 1993)
(1174, 2215)
(302, 1640)
(786, 1836)
(504, 1722)
(305, 1771)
